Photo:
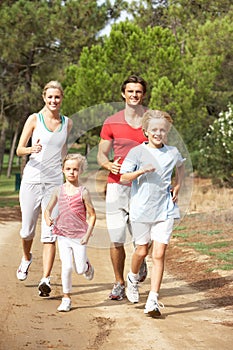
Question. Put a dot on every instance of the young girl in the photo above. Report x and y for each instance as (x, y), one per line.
(71, 226)
(150, 166)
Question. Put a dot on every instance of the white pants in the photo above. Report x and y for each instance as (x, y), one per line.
(33, 199)
(73, 256)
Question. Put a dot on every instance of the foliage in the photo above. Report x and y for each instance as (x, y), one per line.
(216, 149)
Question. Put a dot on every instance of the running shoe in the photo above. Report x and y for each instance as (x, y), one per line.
(65, 305)
(118, 292)
(22, 271)
(44, 287)
(152, 308)
(89, 274)
(132, 290)
(142, 272)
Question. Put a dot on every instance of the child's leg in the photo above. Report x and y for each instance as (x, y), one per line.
(141, 235)
(66, 256)
(137, 258)
(80, 256)
(158, 257)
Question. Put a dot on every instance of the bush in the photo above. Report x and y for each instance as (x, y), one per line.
(216, 159)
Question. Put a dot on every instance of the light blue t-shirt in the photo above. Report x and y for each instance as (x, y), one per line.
(151, 200)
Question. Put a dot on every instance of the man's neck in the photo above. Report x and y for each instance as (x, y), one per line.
(133, 115)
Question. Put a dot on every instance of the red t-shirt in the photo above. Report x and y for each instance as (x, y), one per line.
(124, 137)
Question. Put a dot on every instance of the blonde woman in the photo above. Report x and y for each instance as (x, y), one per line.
(48, 131)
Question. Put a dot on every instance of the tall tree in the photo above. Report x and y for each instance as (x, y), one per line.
(38, 39)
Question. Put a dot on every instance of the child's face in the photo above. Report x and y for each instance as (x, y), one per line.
(71, 170)
(157, 132)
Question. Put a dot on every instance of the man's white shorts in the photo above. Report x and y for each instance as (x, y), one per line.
(160, 231)
(117, 211)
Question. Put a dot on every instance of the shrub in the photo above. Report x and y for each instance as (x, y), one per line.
(216, 150)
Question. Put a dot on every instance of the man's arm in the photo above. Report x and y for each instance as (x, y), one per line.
(104, 149)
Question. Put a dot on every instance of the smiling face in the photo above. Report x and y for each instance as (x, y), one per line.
(71, 170)
(133, 94)
(53, 99)
(157, 132)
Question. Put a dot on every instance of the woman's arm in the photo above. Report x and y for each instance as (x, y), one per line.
(64, 148)
(29, 126)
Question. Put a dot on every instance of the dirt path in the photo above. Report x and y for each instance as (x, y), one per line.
(30, 322)
(190, 319)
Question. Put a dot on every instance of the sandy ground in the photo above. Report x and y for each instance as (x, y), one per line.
(189, 320)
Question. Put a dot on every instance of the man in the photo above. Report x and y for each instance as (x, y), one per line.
(120, 133)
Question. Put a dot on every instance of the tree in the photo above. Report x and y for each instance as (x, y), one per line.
(216, 149)
(38, 39)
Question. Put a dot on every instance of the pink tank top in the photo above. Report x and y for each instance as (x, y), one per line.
(71, 221)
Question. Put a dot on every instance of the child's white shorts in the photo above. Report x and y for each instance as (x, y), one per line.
(160, 231)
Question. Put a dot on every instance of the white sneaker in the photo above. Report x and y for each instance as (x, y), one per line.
(44, 287)
(152, 308)
(132, 290)
(22, 271)
(89, 274)
(65, 305)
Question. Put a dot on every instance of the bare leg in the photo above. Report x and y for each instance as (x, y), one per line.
(27, 249)
(138, 256)
(49, 251)
(117, 253)
(158, 257)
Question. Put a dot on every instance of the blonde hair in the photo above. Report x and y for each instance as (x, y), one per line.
(53, 84)
(155, 114)
(82, 161)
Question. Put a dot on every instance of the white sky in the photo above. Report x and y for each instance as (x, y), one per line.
(107, 29)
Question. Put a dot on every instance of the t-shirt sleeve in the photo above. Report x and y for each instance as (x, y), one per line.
(130, 163)
(180, 159)
(106, 131)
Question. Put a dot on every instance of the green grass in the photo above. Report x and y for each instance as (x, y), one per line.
(8, 194)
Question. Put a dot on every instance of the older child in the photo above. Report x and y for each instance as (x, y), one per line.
(150, 166)
(71, 226)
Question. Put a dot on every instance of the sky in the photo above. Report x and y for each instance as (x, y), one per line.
(107, 29)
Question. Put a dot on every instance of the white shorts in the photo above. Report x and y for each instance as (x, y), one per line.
(33, 199)
(117, 212)
(160, 231)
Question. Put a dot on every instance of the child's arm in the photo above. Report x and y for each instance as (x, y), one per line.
(129, 177)
(179, 179)
(48, 211)
(91, 216)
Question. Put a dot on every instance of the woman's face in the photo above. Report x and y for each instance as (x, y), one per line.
(53, 99)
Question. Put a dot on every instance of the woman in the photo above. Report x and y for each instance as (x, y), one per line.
(48, 131)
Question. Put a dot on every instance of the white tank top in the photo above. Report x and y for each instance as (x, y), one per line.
(46, 166)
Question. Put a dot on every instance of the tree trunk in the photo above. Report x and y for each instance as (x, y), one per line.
(12, 152)
(2, 147)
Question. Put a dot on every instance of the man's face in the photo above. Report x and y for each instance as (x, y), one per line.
(133, 94)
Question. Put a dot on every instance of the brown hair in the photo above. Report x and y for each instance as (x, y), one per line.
(136, 80)
(53, 84)
(82, 161)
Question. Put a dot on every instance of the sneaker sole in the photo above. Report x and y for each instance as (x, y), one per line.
(116, 297)
(154, 313)
(44, 289)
